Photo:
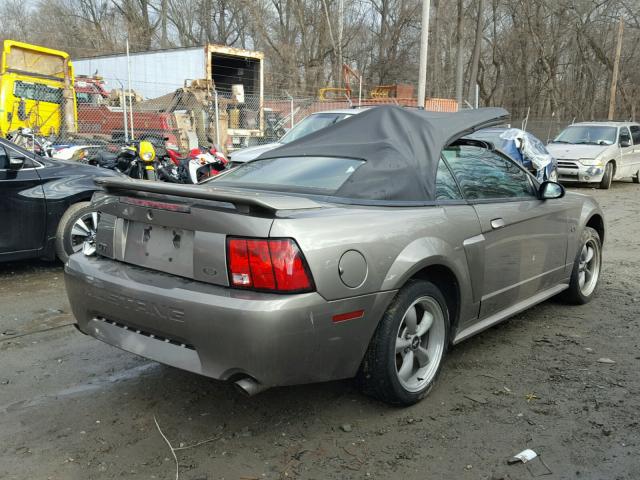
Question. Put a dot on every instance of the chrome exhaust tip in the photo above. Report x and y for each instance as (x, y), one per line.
(249, 387)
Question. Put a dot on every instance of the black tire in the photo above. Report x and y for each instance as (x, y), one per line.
(605, 183)
(378, 375)
(575, 294)
(64, 243)
(636, 178)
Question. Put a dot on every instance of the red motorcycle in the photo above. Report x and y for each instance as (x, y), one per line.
(200, 164)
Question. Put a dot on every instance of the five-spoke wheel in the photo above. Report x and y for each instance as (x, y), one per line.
(589, 267)
(405, 354)
(586, 268)
(420, 343)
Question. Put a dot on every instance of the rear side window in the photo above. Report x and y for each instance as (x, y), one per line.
(446, 187)
(324, 174)
(635, 133)
(484, 174)
(624, 135)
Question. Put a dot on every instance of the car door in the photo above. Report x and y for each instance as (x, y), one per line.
(626, 162)
(525, 239)
(22, 205)
(635, 164)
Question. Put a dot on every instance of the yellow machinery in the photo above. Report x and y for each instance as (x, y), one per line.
(36, 90)
(334, 93)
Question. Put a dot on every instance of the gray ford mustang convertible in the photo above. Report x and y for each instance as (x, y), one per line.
(365, 249)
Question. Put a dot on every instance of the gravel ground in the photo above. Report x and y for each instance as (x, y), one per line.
(74, 408)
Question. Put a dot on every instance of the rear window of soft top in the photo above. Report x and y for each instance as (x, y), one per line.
(322, 174)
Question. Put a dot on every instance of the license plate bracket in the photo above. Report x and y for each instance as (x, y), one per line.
(168, 249)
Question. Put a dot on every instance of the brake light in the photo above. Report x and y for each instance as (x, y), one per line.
(267, 264)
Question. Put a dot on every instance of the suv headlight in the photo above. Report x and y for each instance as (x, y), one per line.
(590, 161)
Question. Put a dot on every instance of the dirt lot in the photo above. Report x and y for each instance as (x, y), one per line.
(74, 408)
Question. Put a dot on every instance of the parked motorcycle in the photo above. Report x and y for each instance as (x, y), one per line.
(136, 160)
(46, 147)
(199, 164)
(29, 140)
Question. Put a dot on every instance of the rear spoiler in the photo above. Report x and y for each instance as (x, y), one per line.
(269, 202)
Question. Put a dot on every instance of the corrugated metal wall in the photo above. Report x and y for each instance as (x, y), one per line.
(152, 74)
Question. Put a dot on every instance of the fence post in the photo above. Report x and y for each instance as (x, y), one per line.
(130, 91)
(290, 108)
(215, 101)
(123, 104)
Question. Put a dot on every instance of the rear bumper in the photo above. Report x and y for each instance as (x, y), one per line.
(220, 332)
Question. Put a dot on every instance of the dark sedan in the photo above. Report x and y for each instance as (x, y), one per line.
(44, 205)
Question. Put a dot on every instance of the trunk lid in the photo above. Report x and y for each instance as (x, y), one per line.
(182, 230)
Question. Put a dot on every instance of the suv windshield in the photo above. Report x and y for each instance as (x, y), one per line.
(322, 174)
(588, 134)
(312, 123)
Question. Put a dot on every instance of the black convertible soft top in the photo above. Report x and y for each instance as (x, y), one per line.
(401, 148)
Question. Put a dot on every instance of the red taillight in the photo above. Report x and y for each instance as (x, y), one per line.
(261, 264)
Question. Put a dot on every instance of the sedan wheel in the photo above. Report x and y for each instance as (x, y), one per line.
(77, 231)
(420, 344)
(589, 267)
(405, 354)
(586, 268)
(83, 233)
(607, 177)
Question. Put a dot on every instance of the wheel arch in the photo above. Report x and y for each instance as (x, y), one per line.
(56, 208)
(446, 280)
(597, 223)
(437, 260)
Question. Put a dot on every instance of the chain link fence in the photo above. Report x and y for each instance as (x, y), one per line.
(189, 117)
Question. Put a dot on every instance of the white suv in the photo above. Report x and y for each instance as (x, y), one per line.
(598, 152)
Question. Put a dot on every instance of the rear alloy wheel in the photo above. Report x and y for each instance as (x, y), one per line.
(605, 183)
(586, 269)
(77, 231)
(406, 352)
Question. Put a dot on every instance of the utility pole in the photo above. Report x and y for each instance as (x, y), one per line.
(340, 30)
(424, 49)
(614, 76)
(459, 59)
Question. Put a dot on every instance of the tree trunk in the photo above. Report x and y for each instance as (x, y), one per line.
(475, 58)
(164, 42)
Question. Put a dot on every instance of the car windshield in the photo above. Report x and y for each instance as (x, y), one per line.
(322, 174)
(312, 123)
(588, 134)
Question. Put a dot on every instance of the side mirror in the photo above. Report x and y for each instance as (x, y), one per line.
(551, 190)
(625, 143)
(16, 162)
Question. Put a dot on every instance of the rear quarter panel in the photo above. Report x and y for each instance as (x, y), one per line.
(395, 242)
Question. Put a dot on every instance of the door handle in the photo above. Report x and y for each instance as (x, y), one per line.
(497, 223)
